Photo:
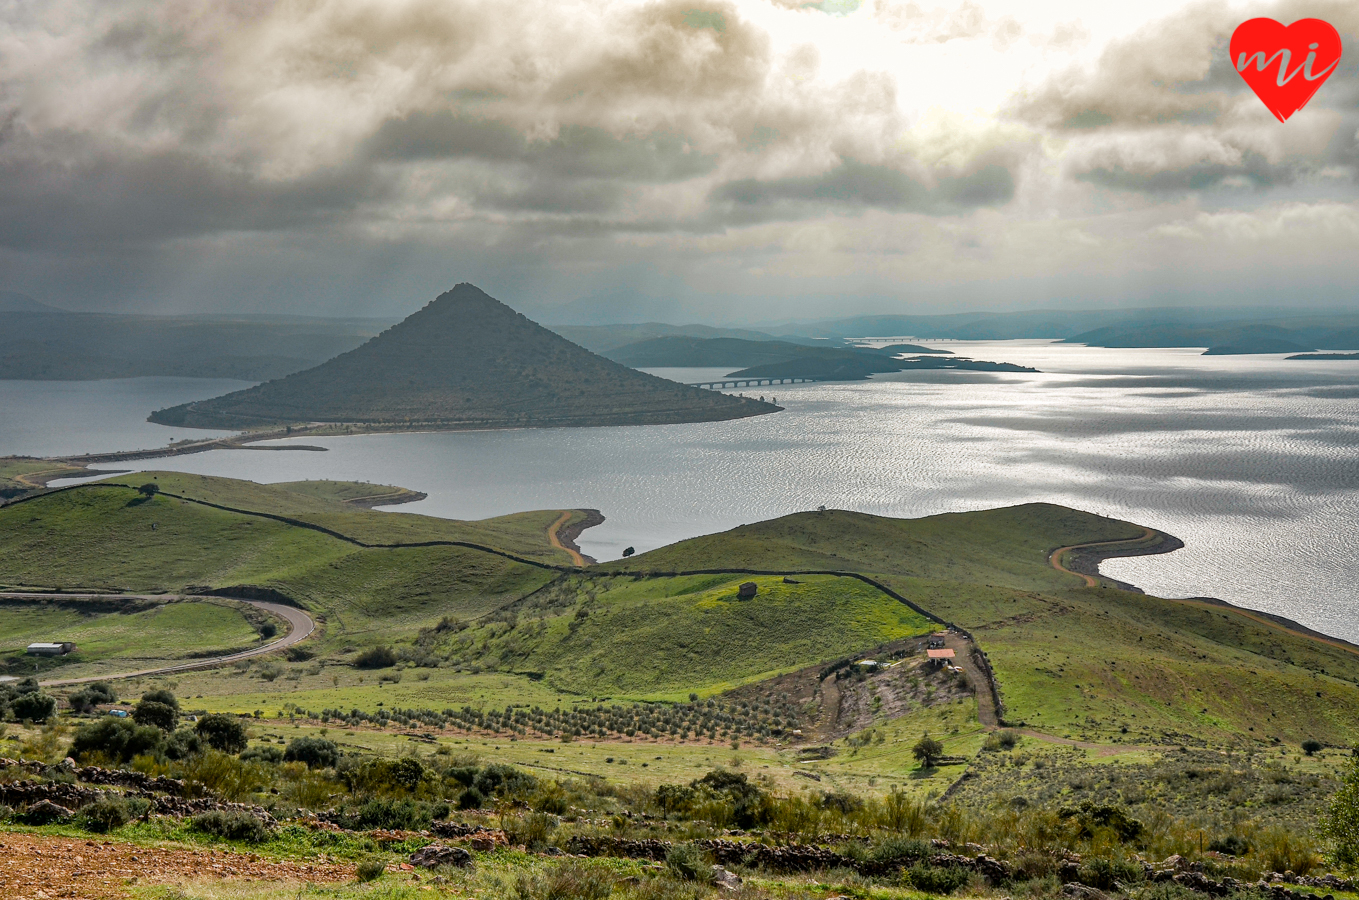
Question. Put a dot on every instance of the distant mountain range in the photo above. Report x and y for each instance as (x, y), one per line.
(464, 361)
(39, 342)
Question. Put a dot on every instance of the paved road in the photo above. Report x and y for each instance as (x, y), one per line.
(300, 627)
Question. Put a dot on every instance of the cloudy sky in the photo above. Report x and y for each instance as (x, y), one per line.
(716, 160)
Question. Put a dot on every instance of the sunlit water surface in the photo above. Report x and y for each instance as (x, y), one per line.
(1250, 460)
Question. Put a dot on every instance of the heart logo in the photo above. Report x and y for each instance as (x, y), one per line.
(1285, 66)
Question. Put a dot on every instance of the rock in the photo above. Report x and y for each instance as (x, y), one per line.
(438, 855)
(1082, 892)
(45, 812)
(1176, 863)
(724, 879)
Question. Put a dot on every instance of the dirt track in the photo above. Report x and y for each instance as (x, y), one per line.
(41, 867)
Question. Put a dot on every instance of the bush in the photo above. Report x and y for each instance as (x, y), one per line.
(532, 830)
(689, 862)
(232, 826)
(156, 714)
(407, 815)
(936, 879)
(262, 753)
(566, 881)
(317, 753)
(471, 799)
(222, 732)
(371, 868)
(1232, 845)
(384, 776)
(92, 695)
(375, 658)
(34, 707)
(224, 775)
(1001, 740)
(161, 695)
(498, 780)
(118, 740)
(1090, 816)
(183, 744)
(1311, 747)
(268, 630)
(1106, 873)
(1340, 823)
(108, 813)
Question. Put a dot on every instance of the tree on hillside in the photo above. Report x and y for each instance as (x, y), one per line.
(222, 732)
(1340, 823)
(158, 708)
(149, 489)
(928, 751)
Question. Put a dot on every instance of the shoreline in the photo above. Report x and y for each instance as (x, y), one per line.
(566, 534)
(1085, 560)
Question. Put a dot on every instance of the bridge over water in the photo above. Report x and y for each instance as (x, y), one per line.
(726, 383)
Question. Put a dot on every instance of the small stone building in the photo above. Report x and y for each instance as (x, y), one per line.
(747, 590)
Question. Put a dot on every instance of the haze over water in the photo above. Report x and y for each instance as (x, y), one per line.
(1250, 460)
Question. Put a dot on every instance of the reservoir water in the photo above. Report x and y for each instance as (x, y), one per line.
(1252, 460)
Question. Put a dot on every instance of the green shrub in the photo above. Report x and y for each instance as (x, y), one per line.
(222, 732)
(1001, 740)
(157, 714)
(375, 658)
(118, 740)
(33, 707)
(566, 881)
(408, 815)
(108, 813)
(936, 879)
(1090, 816)
(383, 776)
(317, 753)
(689, 862)
(91, 695)
(183, 744)
(1106, 873)
(471, 799)
(232, 825)
(531, 829)
(1312, 747)
(161, 695)
(1232, 845)
(262, 753)
(896, 850)
(371, 868)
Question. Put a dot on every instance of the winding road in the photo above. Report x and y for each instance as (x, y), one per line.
(300, 627)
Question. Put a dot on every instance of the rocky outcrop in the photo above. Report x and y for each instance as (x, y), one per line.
(436, 855)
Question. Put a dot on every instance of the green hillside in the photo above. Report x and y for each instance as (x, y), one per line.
(463, 361)
(460, 598)
(1070, 660)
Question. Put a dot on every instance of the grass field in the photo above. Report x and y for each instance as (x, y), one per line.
(110, 641)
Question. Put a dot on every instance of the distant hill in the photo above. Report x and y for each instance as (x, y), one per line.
(464, 361)
(726, 351)
(13, 301)
(1296, 335)
(66, 346)
(604, 338)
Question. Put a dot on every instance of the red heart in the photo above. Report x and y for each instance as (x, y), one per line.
(1285, 66)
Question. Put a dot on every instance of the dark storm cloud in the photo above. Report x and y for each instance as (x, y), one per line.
(1254, 169)
(102, 196)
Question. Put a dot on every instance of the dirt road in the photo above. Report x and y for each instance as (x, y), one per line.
(300, 627)
(555, 540)
(39, 867)
(1090, 580)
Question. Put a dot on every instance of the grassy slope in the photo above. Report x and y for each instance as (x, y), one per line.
(167, 631)
(667, 637)
(101, 538)
(1070, 660)
(523, 534)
